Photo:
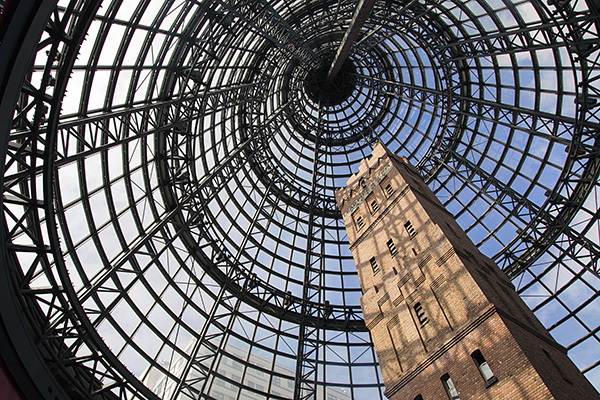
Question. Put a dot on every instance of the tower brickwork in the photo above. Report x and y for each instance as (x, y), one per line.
(445, 320)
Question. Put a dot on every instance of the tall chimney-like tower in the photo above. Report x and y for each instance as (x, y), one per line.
(446, 321)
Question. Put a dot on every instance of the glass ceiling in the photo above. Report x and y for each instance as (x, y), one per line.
(170, 226)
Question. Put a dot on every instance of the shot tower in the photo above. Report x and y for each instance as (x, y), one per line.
(445, 320)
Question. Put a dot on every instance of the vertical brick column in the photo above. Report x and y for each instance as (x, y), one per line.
(445, 320)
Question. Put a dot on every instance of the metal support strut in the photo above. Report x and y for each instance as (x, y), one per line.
(363, 10)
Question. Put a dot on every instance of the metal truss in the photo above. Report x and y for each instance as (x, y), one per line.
(267, 21)
(309, 336)
(170, 228)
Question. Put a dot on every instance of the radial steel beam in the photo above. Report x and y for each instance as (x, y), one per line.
(501, 113)
(543, 228)
(363, 10)
(193, 380)
(266, 21)
(107, 130)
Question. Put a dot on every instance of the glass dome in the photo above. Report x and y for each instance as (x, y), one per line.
(170, 226)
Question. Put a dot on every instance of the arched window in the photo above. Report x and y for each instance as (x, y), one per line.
(450, 388)
(484, 368)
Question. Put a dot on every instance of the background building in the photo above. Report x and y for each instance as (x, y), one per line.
(226, 381)
(169, 170)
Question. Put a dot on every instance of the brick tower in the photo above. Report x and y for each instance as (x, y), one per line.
(445, 320)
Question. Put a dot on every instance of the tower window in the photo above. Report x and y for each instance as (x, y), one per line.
(392, 247)
(420, 314)
(410, 229)
(418, 397)
(360, 222)
(484, 368)
(374, 265)
(389, 189)
(450, 388)
(560, 370)
(374, 206)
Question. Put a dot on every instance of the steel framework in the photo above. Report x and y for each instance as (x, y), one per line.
(170, 167)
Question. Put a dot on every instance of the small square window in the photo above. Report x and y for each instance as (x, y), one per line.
(374, 265)
(360, 222)
(392, 247)
(374, 206)
(410, 229)
(420, 314)
(389, 190)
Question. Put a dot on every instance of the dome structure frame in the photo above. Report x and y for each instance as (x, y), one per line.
(56, 305)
